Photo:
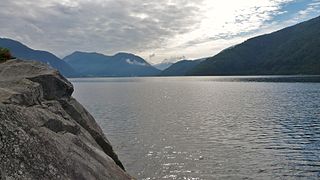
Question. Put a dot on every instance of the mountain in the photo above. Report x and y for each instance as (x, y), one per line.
(293, 50)
(21, 51)
(119, 65)
(180, 68)
(162, 66)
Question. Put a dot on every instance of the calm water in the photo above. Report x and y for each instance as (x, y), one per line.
(209, 127)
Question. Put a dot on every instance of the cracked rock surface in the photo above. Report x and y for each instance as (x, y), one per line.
(47, 134)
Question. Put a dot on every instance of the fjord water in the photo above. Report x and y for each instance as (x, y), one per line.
(209, 127)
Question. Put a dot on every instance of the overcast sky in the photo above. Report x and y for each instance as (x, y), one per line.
(153, 29)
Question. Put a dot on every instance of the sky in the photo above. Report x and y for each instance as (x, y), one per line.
(157, 30)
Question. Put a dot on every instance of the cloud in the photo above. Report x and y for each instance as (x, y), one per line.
(227, 23)
(168, 28)
(108, 26)
(134, 62)
(233, 18)
(313, 7)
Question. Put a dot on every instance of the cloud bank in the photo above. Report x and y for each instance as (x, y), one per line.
(163, 29)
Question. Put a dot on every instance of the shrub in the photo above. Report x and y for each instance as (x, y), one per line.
(4, 54)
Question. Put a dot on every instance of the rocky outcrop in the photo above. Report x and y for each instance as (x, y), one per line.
(47, 134)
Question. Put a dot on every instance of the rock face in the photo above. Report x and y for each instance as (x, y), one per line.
(47, 134)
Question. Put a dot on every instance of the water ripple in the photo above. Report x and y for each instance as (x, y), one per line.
(210, 128)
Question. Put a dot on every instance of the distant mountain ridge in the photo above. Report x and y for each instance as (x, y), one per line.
(119, 65)
(181, 68)
(21, 51)
(162, 66)
(81, 64)
(290, 51)
(293, 50)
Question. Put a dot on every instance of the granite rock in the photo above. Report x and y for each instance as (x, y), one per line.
(45, 133)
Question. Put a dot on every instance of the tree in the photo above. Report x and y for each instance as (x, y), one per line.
(5, 54)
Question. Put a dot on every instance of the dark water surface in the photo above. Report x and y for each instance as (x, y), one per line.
(210, 127)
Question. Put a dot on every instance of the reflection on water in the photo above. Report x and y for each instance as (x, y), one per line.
(210, 127)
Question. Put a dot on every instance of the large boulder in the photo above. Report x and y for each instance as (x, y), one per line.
(47, 134)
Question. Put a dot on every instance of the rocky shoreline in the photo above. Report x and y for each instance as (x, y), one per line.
(45, 133)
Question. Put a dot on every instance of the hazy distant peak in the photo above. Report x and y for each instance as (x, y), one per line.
(120, 64)
(124, 54)
(86, 53)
